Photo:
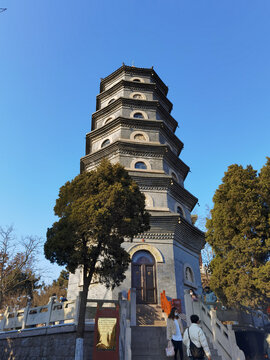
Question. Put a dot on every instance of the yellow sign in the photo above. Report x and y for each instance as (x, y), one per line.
(106, 335)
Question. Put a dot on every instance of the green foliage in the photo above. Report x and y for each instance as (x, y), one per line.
(97, 210)
(239, 233)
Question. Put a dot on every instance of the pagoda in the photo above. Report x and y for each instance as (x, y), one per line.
(133, 125)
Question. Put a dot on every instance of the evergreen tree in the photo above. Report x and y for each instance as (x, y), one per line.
(239, 233)
(97, 210)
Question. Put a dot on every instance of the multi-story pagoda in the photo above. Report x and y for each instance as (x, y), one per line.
(132, 125)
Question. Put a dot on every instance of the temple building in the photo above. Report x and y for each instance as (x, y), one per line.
(133, 125)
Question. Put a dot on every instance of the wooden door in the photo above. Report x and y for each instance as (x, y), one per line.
(143, 277)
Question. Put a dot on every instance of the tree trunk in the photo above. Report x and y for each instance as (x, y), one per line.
(82, 310)
(81, 320)
(87, 278)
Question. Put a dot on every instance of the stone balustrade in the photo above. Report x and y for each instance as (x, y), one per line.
(54, 312)
(221, 336)
(61, 319)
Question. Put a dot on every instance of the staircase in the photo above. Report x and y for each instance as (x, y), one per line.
(213, 351)
(148, 337)
(148, 342)
(150, 315)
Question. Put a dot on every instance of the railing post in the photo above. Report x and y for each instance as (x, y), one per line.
(4, 320)
(25, 314)
(236, 353)
(128, 342)
(50, 306)
(188, 306)
(133, 307)
(213, 325)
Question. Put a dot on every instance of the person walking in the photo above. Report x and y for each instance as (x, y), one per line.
(175, 332)
(195, 335)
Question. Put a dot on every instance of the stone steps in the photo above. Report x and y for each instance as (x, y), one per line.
(150, 315)
(149, 343)
(149, 338)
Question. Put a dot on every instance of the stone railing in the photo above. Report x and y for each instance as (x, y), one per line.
(66, 313)
(221, 336)
(54, 312)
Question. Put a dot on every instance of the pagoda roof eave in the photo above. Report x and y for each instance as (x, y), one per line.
(147, 71)
(139, 103)
(131, 147)
(131, 84)
(142, 123)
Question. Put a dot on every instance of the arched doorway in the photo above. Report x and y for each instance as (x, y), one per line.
(144, 277)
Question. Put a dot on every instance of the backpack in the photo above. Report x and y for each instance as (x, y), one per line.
(197, 353)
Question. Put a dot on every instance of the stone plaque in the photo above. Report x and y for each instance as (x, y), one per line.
(106, 334)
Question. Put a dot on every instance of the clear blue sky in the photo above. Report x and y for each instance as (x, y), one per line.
(213, 55)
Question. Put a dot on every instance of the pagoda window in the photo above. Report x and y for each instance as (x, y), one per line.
(108, 120)
(189, 274)
(140, 165)
(138, 115)
(111, 101)
(105, 143)
(139, 137)
(137, 96)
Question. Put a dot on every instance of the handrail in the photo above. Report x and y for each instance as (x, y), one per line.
(39, 316)
(221, 336)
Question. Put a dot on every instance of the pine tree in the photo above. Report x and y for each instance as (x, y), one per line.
(239, 233)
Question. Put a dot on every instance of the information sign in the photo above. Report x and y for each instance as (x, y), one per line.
(106, 336)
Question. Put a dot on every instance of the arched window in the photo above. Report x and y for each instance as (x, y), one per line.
(105, 143)
(111, 101)
(139, 137)
(140, 165)
(136, 80)
(174, 176)
(108, 120)
(137, 96)
(189, 274)
(180, 211)
(138, 115)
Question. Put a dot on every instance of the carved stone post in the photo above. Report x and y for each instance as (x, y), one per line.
(25, 315)
(132, 307)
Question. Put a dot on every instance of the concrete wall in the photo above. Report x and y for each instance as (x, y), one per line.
(47, 343)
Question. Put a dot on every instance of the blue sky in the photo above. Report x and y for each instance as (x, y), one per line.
(213, 55)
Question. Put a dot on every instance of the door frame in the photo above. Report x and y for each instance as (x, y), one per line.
(143, 278)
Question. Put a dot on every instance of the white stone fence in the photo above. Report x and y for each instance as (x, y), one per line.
(51, 314)
(221, 336)
(66, 313)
